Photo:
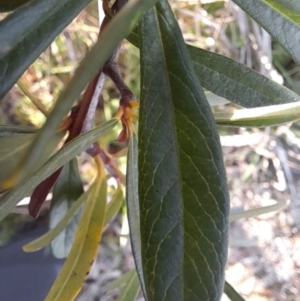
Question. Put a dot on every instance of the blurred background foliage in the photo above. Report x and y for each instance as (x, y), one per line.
(263, 165)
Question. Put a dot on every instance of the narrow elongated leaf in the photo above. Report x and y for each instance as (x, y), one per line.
(114, 206)
(27, 32)
(121, 281)
(84, 248)
(182, 184)
(48, 237)
(234, 81)
(257, 211)
(231, 293)
(15, 129)
(260, 117)
(133, 208)
(112, 209)
(7, 5)
(109, 39)
(14, 143)
(12, 149)
(129, 292)
(11, 198)
(66, 191)
(281, 18)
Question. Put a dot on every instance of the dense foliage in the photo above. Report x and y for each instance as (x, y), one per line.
(176, 190)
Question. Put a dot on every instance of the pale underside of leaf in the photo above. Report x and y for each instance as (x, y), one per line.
(260, 117)
(257, 211)
(133, 208)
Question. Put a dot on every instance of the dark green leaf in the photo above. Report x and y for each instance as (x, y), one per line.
(231, 293)
(11, 198)
(184, 201)
(281, 18)
(27, 32)
(109, 39)
(133, 208)
(8, 5)
(234, 81)
(66, 191)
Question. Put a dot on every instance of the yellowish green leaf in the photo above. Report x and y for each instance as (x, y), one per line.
(84, 248)
(11, 198)
(14, 143)
(112, 209)
(46, 239)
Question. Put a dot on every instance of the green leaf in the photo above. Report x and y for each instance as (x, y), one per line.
(11, 198)
(112, 209)
(133, 208)
(281, 18)
(66, 191)
(260, 117)
(6, 130)
(234, 81)
(129, 292)
(15, 141)
(8, 5)
(184, 202)
(12, 148)
(9, 227)
(121, 281)
(114, 206)
(231, 293)
(84, 249)
(27, 32)
(119, 27)
(46, 239)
